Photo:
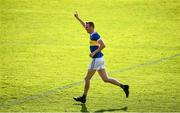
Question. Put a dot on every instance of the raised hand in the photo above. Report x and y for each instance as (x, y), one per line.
(78, 18)
(76, 14)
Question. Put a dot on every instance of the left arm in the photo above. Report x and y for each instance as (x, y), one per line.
(101, 47)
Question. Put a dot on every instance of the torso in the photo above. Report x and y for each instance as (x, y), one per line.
(94, 37)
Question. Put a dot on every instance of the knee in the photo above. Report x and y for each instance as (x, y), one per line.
(106, 80)
(87, 79)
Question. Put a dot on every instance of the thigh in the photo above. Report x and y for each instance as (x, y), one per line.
(90, 73)
(103, 74)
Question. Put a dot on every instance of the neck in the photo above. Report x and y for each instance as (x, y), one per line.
(91, 32)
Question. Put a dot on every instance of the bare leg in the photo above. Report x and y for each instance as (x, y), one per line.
(87, 79)
(105, 78)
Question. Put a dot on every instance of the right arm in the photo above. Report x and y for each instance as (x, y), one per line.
(77, 17)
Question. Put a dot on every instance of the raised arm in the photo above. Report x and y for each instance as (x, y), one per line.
(77, 17)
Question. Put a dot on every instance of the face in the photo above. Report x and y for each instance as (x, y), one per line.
(89, 29)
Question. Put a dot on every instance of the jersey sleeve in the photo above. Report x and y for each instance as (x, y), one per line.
(95, 37)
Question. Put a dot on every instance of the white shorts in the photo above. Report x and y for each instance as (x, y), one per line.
(97, 63)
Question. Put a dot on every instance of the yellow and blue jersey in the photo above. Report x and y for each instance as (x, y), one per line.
(94, 37)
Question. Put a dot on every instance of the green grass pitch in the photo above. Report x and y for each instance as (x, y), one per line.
(44, 55)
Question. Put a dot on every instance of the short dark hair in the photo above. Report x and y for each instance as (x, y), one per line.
(91, 24)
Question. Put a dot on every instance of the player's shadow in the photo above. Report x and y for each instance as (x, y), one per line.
(111, 110)
(84, 109)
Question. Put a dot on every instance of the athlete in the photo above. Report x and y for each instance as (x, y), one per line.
(97, 63)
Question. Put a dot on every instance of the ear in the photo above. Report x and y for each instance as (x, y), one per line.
(86, 23)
